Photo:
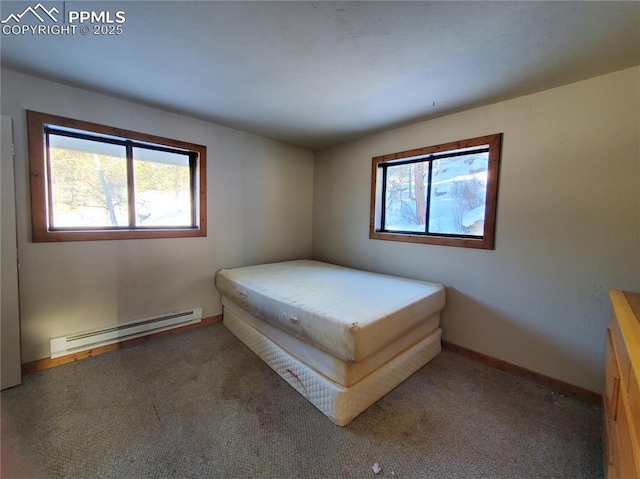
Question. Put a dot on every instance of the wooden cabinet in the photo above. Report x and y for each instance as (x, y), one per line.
(622, 395)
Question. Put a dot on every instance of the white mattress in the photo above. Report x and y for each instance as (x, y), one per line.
(349, 314)
(341, 404)
(342, 372)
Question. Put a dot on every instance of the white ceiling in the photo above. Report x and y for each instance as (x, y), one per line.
(319, 73)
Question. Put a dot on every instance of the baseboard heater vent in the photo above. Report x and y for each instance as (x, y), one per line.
(75, 343)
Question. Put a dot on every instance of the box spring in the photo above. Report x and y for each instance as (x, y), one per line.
(341, 404)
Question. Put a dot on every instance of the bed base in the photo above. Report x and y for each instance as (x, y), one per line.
(340, 404)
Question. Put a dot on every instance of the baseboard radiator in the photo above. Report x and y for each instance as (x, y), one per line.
(74, 343)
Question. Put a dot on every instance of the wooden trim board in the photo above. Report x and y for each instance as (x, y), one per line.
(552, 383)
(46, 363)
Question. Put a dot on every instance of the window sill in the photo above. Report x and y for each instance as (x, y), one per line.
(478, 243)
(60, 236)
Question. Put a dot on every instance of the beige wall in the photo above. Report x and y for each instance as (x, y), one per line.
(568, 224)
(259, 210)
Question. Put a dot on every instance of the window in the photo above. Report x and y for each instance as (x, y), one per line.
(441, 194)
(94, 182)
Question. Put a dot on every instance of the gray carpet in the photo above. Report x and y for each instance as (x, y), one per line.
(200, 404)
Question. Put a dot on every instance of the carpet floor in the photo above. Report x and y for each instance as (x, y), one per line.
(202, 405)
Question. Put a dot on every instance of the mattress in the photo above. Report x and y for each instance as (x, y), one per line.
(341, 372)
(341, 404)
(349, 314)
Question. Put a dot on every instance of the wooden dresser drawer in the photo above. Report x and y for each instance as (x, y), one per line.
(613, 379)
(622, 393)
(626, 460)
(634, 404)
(622, 355)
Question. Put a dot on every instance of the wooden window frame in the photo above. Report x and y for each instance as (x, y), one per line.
(486, 241)
(41, 231)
